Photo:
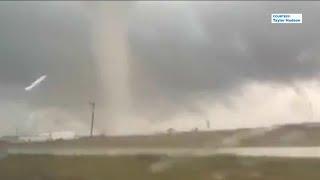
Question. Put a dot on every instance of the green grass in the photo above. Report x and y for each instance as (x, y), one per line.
(149, 167)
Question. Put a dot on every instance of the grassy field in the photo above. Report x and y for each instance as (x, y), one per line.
(148, 167)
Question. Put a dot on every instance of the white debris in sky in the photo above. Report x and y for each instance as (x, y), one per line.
(36, 83)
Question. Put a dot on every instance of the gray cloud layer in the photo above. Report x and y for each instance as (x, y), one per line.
(189, 49)
(235, 44)
(179, 51)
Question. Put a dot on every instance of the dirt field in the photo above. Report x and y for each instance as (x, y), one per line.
(150, 167)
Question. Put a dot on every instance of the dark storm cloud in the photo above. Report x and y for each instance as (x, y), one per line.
(179, 51)
(45, 38)
(214, 47)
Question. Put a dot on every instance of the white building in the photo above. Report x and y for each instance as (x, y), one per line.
(64, 135)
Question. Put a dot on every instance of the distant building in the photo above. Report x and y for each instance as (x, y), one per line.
(9, 139)
(195, 129)
(63, 135)
(33, 138)
(171, 131)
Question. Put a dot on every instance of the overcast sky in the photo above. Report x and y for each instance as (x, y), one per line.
(179, 64)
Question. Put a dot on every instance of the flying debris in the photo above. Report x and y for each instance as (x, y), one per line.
(36, 83)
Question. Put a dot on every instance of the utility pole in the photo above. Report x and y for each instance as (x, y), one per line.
(208, 124)
(93, 104)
